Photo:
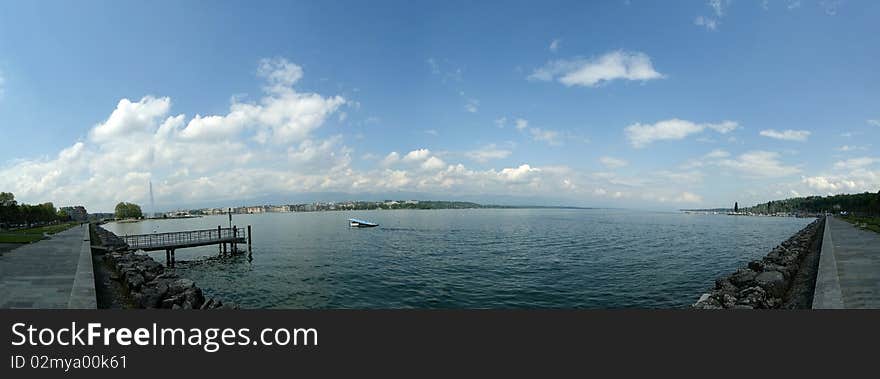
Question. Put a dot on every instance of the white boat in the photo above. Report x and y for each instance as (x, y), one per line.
(357, 223)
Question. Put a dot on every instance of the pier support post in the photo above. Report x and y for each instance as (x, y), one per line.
(167, 257)
(250, 241)
(219, 245)
(234, 239)
(173, 259)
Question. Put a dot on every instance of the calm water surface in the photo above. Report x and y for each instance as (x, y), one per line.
(476, 258)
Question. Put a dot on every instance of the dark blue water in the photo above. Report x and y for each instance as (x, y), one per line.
(498, 258)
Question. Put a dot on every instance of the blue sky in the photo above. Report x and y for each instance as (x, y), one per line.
(642, 104)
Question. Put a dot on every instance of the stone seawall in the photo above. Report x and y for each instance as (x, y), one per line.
(784, 279)
(146, 282)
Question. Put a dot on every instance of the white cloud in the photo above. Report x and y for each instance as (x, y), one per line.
(855, 163)
(707, 22)
(390, 159)
(787, 135)
(823, 183)
(612, 163)
(518, 174)
(712, 22)
(830, 6)
(870, 122)
(130, 118)
(794, 4)
(433, 163)
(641, 135)
(718, 7)
(555, 44)
(615, 65)
(846, 148)
(487, 153)
(521, 124)
(432, 132)
(551, 137)
(417, 155)
(501, 122)
(279, 73)
(717, 153)
(688, 197)
(759, 164)
(472, 105)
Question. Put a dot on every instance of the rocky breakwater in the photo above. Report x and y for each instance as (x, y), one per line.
(784, 279)
(148, 284)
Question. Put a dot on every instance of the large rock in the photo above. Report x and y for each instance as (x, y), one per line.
(771, 281)
(725, 286)
(743, 277)
(133, 280)
(180, 285)
(152, 295)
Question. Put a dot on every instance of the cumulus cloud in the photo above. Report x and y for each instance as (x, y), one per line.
(487, 153)
(518, 174)
(433, 163)
(390, 159)
(417, 155)
(870, 122)
(641, 135)
(612, 163)
(829, 184)
(787, 135)
(207, 156)
(521, 124)
(129, 118)
(615, 65)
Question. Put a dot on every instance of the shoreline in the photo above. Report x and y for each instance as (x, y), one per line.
(126, 279)
(783, 279)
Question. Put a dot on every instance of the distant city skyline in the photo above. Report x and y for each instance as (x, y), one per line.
(634, 104)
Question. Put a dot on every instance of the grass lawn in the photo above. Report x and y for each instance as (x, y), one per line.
(871, 223)
(33, 234)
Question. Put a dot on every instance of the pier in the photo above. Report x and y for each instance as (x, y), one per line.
(226, 239)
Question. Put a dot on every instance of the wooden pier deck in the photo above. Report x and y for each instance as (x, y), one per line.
(172, 241)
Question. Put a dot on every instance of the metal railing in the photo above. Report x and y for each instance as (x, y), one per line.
(187, 238)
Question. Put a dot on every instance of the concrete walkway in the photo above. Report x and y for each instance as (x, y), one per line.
(849, 268)
(52, 273)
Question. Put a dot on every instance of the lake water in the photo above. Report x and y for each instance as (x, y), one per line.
(475, 258)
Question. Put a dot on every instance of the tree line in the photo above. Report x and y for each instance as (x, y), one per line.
(13, 213)
(865, 204)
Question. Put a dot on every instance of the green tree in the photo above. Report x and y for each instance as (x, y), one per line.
(128, 210)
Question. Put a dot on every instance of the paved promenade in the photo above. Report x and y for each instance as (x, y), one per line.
(849, 268)
(52, 273)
